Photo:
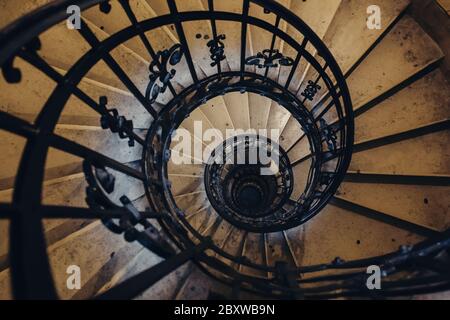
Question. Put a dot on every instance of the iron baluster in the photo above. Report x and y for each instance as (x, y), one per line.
(81, 151)
(181, 35)
(272, 44)
(127, 8)
(245, 10)
(296, 63)
(135, 285)
(118, 124)
(160, 76)
(90, 37)
(216, 45)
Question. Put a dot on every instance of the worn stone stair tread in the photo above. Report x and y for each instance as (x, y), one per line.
(74, 48)
(61, 173)
(294, 238)
(278, 117)
(211, 223)
(102, 141)
(216, 112)
(12, 10)
(5, 284)
(213, 228)
(190, 169)
(202, 220)
(198, 116)
(238, 108)
(117, 20)
(300, 150)
(259, 108)
(134, 65)
(233, 244)
(126, 104)
(424, 102)
(69, 190)
(276, 250)
(349, 30)
(60, 163)
(301, 172)
(186, 184)
(290, 133)
(10, 158)
(191, 202)
(196, 286)
(221, 233)
(198, 145)
(181, 160)
(307, 10)
(81, 248)
(113, 268)
(90, 250)
(58, 234)
(406, 50)
(36, 88)
(198, 217)
(141, 261)
(254, 251)
(423, 205)
(261, 39)
(430, 153)
(55, 230)
(197, 124)
(167, 287)
(341, 233)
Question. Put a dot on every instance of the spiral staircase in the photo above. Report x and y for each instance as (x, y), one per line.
(89, 121)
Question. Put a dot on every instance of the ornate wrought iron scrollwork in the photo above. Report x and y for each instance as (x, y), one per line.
(311, 90)
(117, 124)
(217, 49)
(159, 71)
(105, 7)
(269, 59)
(13, 74)
(100, 183)
(328, 135)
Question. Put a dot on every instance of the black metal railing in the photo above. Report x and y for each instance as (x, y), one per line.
(328, 129)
